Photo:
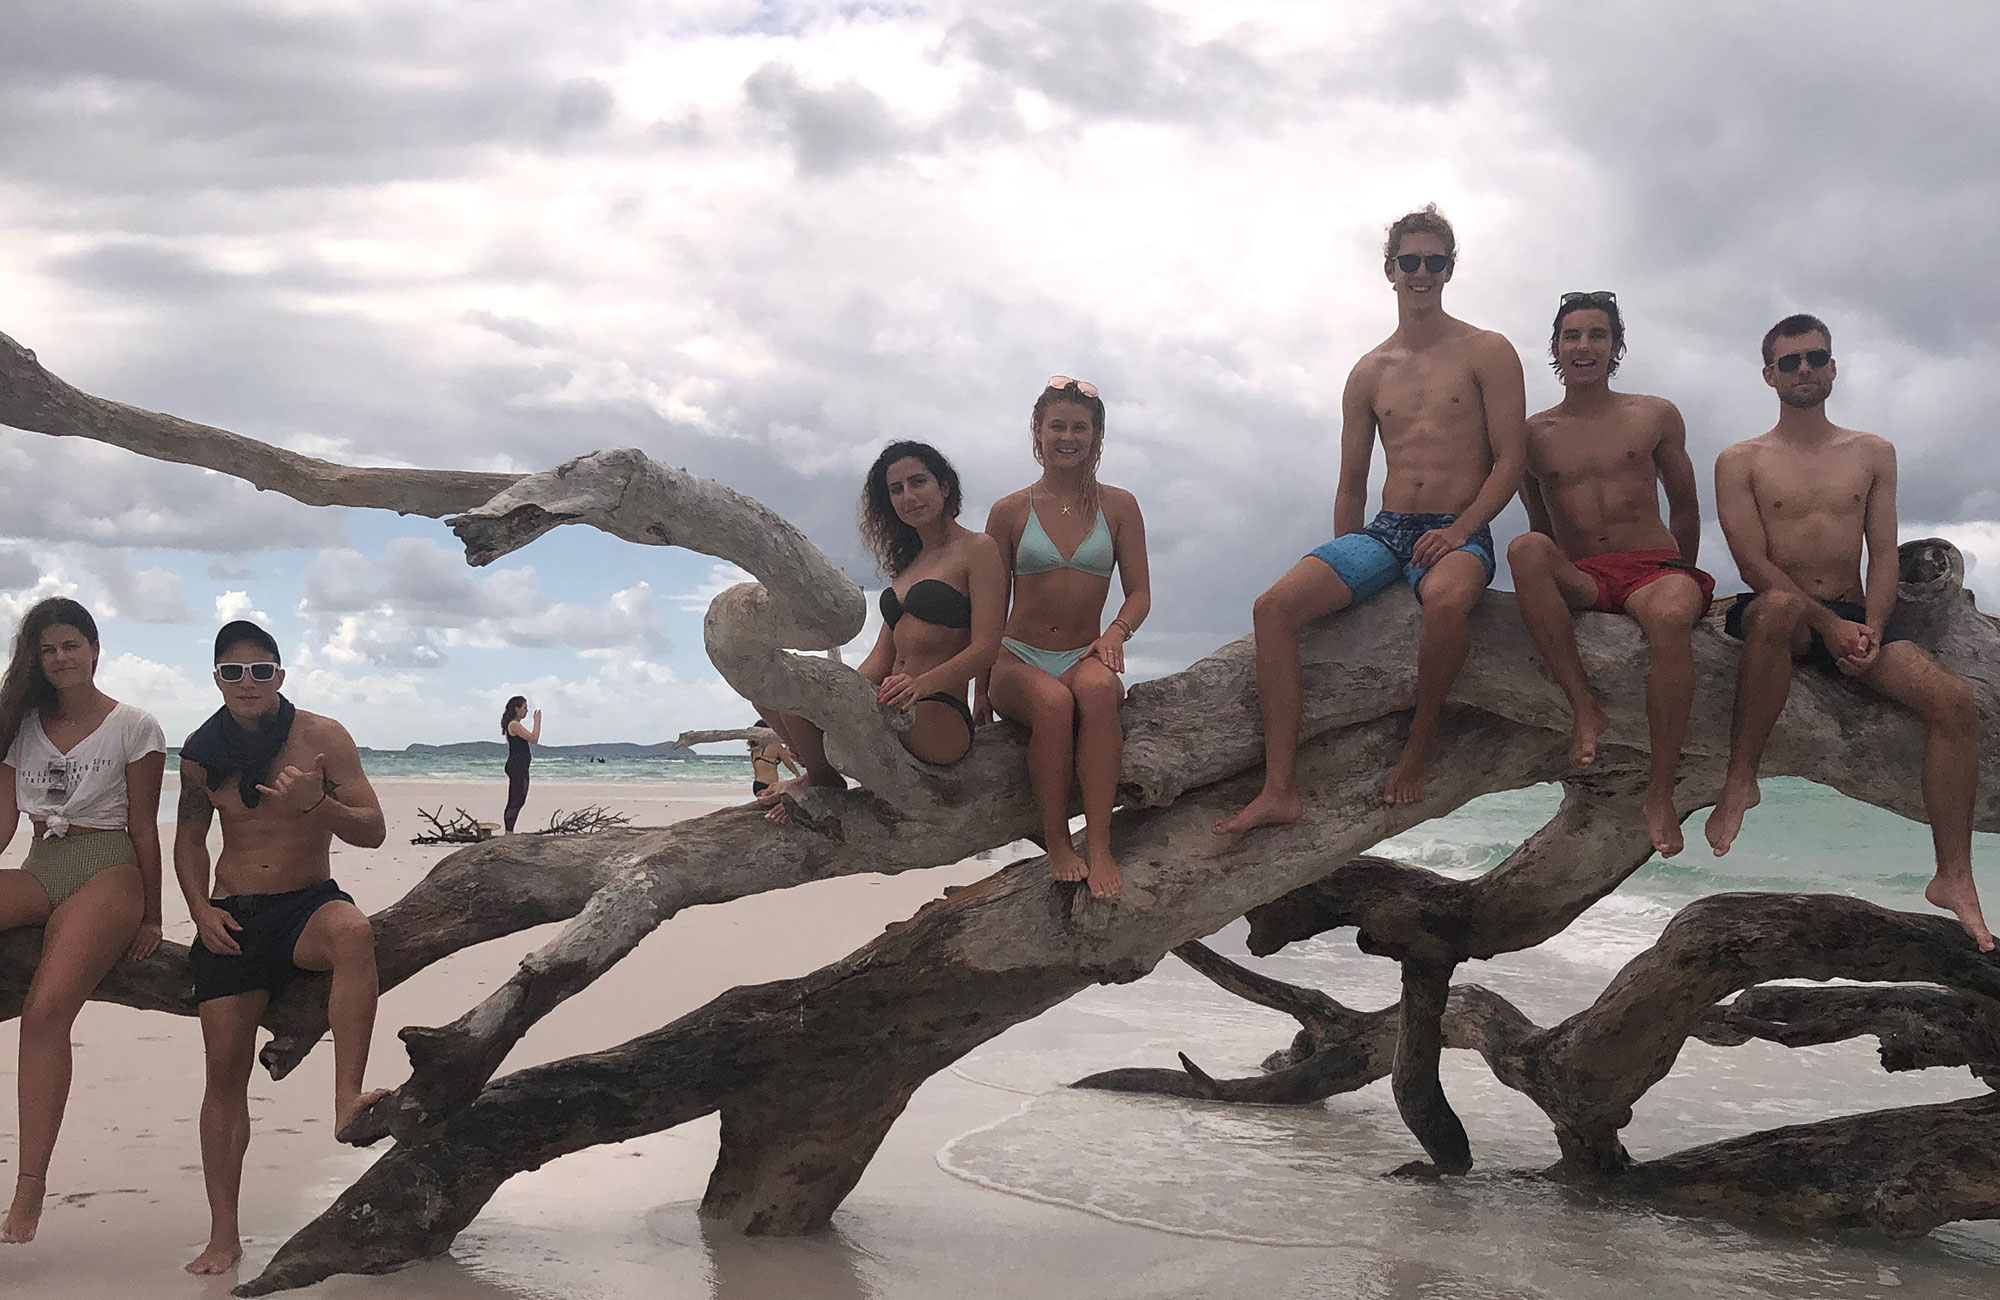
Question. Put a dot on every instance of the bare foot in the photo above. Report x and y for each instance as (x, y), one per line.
(1064, 864)
(25, 1214)
(1959, 896)
(1664, 824)
(1406, 782)
(345, 1115)
(772, 796)
(1267, 809)
(220, 1257)
(1584, 728)
(1726, 818)
(1105, 877)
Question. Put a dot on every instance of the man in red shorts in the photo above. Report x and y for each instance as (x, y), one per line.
(1596, 462)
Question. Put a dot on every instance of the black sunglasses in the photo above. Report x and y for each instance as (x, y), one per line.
(1814, 357)
(1593, 296)
(263, 672)
(1435, 263)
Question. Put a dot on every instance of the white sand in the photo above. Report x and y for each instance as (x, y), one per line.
(126, 1204)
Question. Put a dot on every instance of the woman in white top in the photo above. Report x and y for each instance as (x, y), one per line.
(86, 770)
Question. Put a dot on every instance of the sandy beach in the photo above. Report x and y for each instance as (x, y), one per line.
(998, 1181)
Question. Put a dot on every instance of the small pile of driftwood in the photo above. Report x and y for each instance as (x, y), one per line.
(463, 828)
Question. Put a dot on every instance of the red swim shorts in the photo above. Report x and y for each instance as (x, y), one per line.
(1621, 573)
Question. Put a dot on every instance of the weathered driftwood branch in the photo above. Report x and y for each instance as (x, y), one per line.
(759, 735)
(797, 1131)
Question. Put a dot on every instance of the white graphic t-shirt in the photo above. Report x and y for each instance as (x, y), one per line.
(85, 787)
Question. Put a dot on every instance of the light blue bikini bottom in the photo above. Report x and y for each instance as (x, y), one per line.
(1053, 662)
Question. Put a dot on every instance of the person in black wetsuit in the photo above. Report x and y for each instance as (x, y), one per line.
(519, 736)
(941, 614)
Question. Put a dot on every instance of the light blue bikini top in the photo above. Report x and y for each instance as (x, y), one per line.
(1038, 554)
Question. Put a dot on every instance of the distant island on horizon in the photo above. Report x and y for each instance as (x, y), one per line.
(498, 749)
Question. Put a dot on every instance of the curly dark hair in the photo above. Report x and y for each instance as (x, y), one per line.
(893, 543)
(1070, 392)
(24, 687)
(1604, 302)
(507, 714)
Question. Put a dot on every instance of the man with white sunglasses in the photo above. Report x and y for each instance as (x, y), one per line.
(286, 782)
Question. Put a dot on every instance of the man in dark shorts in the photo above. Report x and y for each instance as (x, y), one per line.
(1596, 463)
(286, 782)
(1798, 505)
(1446, 400)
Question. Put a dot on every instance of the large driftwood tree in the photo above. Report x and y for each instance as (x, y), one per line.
(808, 1074)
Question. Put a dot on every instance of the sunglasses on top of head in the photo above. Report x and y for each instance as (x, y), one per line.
(1435, 263)
(1060, 382)
(262, 672)
(1814, 357)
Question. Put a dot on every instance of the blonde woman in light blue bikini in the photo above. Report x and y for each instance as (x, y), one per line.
(1059, 665)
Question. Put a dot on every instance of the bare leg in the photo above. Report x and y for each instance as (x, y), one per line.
(1100, 751)
(1310, 590)
(1547, 587)
(229, 1037)
(339, 939)
(1667, 609)
(1449, 592)
(84, 937)
(1032, 697)
(1774, 630)
(1907, 675)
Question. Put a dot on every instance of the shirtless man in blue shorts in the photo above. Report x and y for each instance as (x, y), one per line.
(1449, 405)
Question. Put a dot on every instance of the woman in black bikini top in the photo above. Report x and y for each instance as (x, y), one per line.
(941, 613)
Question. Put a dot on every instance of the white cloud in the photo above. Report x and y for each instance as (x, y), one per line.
(414, 603)
(232, 605)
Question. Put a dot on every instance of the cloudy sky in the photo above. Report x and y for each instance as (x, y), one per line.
(760, 239)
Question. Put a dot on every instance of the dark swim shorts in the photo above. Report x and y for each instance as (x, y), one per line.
(1816, 653)
(272, 924)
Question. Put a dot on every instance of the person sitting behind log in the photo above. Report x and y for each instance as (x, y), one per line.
(1062, 535)
(286, 782)
(86, 769)
(1798, 505)
(765, 755)
(1596, 463)
(1450, 406)
(941, 615)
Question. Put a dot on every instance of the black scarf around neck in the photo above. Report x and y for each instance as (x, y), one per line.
(222, 747)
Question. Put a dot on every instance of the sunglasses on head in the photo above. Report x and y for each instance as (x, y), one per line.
(263, 672)
(1060, 382)
(1814, 357)
(1435, 263)
(1595, 297)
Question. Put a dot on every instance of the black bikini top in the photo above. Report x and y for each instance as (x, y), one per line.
(930, 600)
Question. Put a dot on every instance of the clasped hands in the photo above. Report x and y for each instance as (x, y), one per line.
(1854, 646)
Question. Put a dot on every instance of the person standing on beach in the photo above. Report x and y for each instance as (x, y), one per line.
(1798, 505)
(1596, 463)
(1060, 674)
(1449, 405)
(941, 616)
(286, 782)
(86, 769)
(519, 737)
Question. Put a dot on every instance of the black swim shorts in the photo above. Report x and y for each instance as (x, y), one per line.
(272, 924)
(1816, 652)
